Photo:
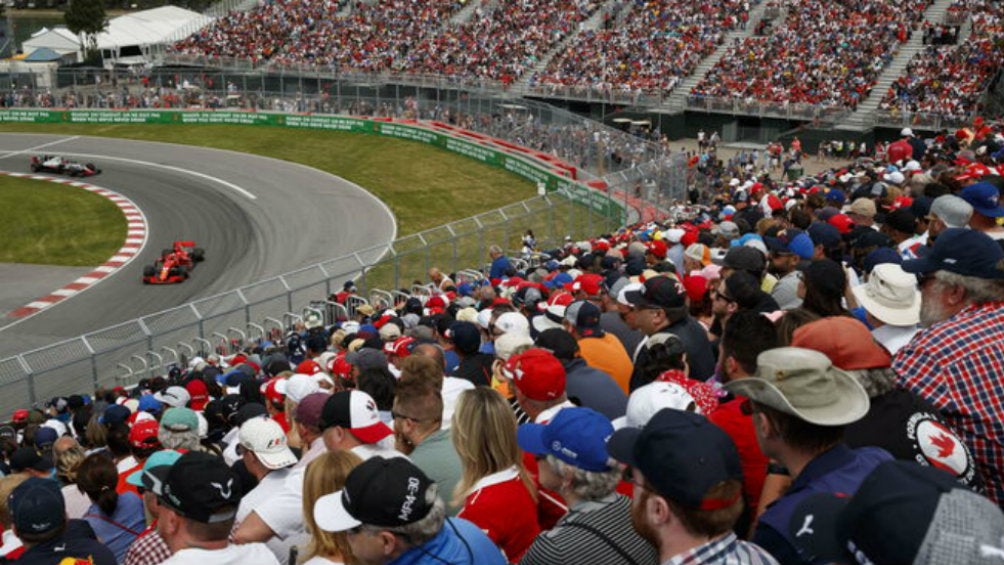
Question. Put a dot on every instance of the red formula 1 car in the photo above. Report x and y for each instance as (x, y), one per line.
(62, 166)
(174, 265)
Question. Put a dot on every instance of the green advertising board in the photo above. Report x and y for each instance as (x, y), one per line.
(527, 168)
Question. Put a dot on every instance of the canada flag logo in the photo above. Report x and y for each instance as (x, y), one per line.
(941, 447)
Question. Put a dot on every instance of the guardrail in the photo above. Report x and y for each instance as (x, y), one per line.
(145, 344)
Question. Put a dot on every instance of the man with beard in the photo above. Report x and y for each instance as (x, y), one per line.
(947, 211)
(687, 489)
(955, 361)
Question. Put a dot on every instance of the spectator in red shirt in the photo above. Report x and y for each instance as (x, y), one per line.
(495, 491)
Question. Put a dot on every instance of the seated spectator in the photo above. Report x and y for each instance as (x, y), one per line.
(687, 483)
(584, 385)
(495, 491)
(39, 521)
(574, 463)
(116, 519)
(801, 426)
(392, 512)
(149, 548)
(326, 475)
(198, 497)
(10, 546)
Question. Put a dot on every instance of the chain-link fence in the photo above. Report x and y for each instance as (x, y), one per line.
(126, 352)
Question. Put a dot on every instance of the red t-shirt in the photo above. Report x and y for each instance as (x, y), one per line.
(122, 486)
(501, 505)
(739, 426)
(550, 505)
(899, 151)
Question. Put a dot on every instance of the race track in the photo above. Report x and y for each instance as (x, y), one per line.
(256, 218)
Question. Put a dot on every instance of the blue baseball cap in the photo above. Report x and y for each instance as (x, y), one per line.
(962, 251)
(792, 241)
(147, 403)
(559, 280)
(985, 199)
(37, 506)
(836, 196)
(577, 436)
(115, 414)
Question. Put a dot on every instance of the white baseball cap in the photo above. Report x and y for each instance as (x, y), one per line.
(174, 396)
(266, 439)
(645, 401)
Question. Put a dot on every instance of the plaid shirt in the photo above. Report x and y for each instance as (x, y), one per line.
(726, 550)
(958, 366)
(148, 549)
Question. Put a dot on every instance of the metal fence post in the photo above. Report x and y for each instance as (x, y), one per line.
(94, 361)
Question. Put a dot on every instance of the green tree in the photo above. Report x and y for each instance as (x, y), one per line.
(87, 18)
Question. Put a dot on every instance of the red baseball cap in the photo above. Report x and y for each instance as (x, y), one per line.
(144, 434)
(275, 390)
(590, 283)
(308, 367)
(842, 222)
(338, 366)
(400, 347)
(537, 374)
(20, 415)
(199, 393)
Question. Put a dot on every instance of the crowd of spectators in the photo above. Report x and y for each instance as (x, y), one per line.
(951, 79)
(827, 54)
(650, 49)
(799, 371)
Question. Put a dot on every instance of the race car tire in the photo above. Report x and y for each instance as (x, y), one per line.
(90, 166)
(198, 254)
(149, 271)
(35, 167)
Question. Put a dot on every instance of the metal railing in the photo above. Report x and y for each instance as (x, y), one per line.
(789, 111)
(125, 352)
(920, 120)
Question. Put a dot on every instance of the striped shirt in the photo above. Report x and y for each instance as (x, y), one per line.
(592, 532)
(726, 550)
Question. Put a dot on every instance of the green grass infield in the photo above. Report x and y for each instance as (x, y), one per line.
(52, 224)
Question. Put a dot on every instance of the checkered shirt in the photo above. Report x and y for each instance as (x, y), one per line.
(958, 366)
(726, 550)
(148, 549)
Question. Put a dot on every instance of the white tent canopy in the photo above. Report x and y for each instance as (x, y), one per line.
(149, 27)
(59, 39)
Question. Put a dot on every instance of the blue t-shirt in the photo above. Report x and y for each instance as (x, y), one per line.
(120, 529)
(459, 542)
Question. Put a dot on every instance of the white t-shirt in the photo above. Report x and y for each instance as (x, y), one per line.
(77, 503)
(452, 387)
(247, 554)
(318, 560)
(267, 487)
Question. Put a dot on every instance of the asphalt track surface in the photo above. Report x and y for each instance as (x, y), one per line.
(255, 217)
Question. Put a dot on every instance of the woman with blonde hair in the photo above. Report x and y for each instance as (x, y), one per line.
(326, 475)
(68, 460)
(495, 491)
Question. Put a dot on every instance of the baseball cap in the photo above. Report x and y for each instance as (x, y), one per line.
(824, 234)
(658, 292)
(908, 513)
(275, 390)
(845, 340)
(115, 414)
(901, 220)
(148, 403)
(357, 412)
(45, 437)
(589, 283)
(299, 385)
(953, 211)
(147, 478)
(863, 207)
(727, 229)
(682, 455)
(577, 436)
(380, 492)
(198, 394)
(37, 506)
(401, 347)
(537, 374)
(891, 295)
(266, 439)
(792, 241)
(805, 384)
(743, 258)
(25, 458)
(585, 316)
(553, 311)
(143, 434)
(961, 251)
(842, 222)
(20, 415)
(646, 401)
(881, 256)
(175, 396)
(512, 322)
(465, 336)
(366, 358)
(201, 487)
(984, 198)
(179, 420)
(308, 411)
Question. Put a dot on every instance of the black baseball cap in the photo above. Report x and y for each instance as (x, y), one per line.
(745, 258)
(682, 454)
(658, 292)
(962, 251)
(380, 492)
(585, 316)
(37, 506)
(201, 487)
(26, 458)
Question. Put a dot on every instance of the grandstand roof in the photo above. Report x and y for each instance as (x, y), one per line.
(149, 27)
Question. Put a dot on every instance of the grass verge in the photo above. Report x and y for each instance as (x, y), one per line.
(51, 224)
